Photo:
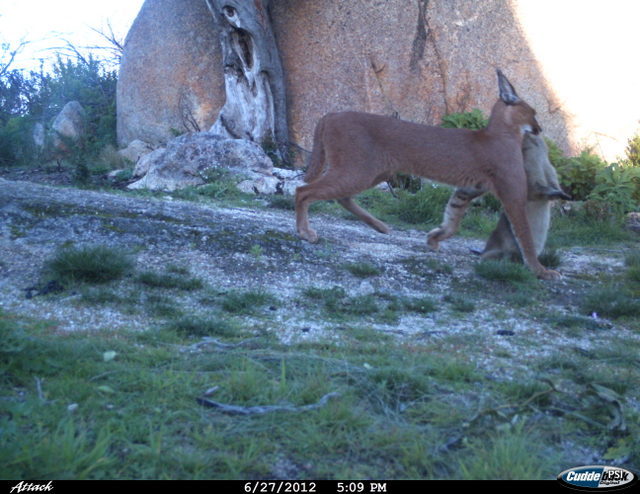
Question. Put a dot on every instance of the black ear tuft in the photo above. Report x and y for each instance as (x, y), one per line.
(508, 94)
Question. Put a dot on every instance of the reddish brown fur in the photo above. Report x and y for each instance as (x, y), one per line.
(355, 151)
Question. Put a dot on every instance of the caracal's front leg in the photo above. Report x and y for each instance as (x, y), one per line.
(515, 209)
(453, 214)
(302, 204)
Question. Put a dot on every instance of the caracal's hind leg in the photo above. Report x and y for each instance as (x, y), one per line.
(350, 205)
(331, 185)
(453, 214)
(304, 198)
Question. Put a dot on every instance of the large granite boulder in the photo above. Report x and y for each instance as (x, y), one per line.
(170, 77)
(417, 58)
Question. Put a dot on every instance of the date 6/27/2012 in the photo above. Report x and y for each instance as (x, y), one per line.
(311, 487)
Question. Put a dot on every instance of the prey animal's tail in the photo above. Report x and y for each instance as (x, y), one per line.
(316, 163)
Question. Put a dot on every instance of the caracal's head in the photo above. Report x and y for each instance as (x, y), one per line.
(518, 112)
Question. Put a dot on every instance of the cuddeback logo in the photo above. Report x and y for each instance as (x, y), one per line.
(597, 477)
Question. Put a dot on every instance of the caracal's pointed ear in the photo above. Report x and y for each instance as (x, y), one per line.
(507, 92)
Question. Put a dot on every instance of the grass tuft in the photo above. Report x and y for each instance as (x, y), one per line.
(362, 269)
(89, 264)
(170, 280)
(203, 326)
(237, 302)
(504, 271)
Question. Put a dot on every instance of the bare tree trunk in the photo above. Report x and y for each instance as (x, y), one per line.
(255, 108)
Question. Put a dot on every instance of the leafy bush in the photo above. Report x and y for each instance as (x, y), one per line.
(633, 151)
(618, 187)
(474, 120)
(578, 174)
(16, 143)
(610, 189)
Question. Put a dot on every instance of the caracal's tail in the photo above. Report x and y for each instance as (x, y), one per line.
(316, 163)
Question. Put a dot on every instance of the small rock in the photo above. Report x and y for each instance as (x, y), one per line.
(135, 150)
(505, 332)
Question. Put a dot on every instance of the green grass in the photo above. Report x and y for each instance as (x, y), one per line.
(114, 405)
(510, 455)
(214, 325)
(611, 301)
(581, 229)
(460, 303)
(170, 280)
(504, 271)
(362, 269)
(239, 302)
(106, 406)
(90, 264)
(338, 305)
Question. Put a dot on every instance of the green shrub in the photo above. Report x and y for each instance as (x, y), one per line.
(632, 262)
(613, 188)
(632, 259)
(16, 143)
(633, 151)
(617, 187)
(556, 156)
(474, 120)
(578, 174)
(38, 97)
(507, 455)
(459, 303)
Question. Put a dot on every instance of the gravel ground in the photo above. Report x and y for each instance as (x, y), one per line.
(256, 249)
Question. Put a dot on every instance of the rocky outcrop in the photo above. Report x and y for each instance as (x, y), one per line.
(417, 58)
(281, 181)
(190, 159)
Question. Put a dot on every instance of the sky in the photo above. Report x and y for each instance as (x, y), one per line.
(45, 24)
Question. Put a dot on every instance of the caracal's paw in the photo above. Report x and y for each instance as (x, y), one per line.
(434, 237)
(309, 235)
(549, 274)
(381, 227)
